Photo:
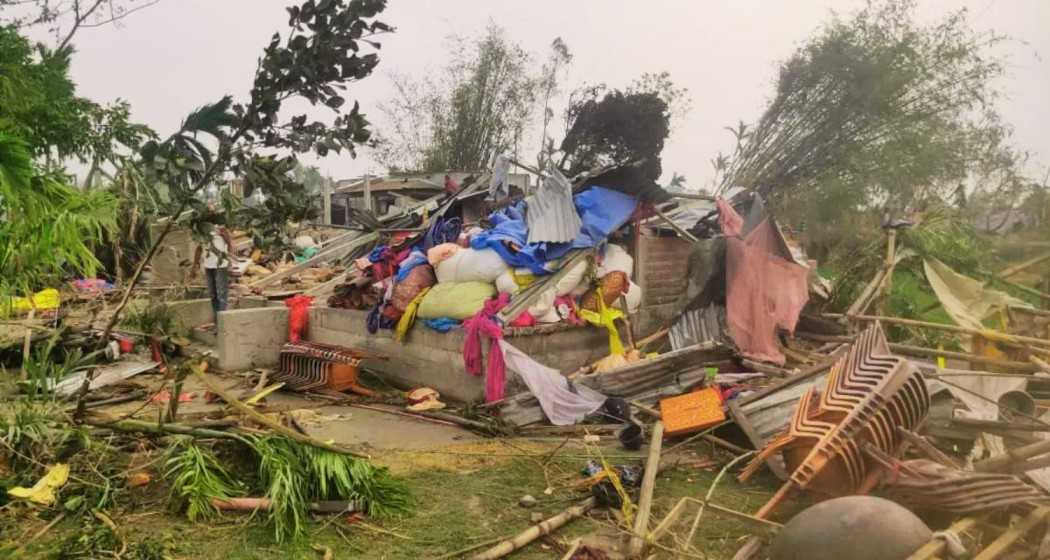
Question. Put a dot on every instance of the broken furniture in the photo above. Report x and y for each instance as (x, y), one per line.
(311, 365)
(870, 394)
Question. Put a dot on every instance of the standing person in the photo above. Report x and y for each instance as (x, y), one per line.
(216, 268)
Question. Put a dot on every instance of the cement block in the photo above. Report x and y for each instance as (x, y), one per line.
(251, 337)
(191, 313)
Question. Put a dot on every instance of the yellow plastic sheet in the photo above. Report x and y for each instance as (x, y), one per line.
(605, 317)
(43, 300)
(43, 492)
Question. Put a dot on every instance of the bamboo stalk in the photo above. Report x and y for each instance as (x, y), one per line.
(910, 350)
(141, 426)
(645, 499)
(1011, 270)
(1000, 545)
(1001, 463)
(935, 547)
(254, 415)
(985, 333)
(534, 532)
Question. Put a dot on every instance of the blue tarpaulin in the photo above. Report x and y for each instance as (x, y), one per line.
(601, 210)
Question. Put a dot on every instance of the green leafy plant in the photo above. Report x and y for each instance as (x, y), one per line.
(32, 434)
(153, 318)
(292, 474)
(197, 476)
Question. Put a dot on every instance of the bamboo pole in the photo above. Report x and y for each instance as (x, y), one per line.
(1000, 545)
(1011, 270)
(889, 264)
(935, 547)
(545, 527)
(645, 499)
(1001, 463)
(910, 350)
(985, 333)
(141, 426)
(254, 415)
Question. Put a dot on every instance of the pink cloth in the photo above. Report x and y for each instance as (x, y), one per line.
(764, 291)
(525, 319)
(484, 323)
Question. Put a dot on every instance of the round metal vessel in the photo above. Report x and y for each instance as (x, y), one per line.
(853, 528)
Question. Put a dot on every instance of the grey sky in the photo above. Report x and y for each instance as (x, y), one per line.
(179, 54)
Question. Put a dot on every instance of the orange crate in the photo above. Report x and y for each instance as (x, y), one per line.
(692, 412)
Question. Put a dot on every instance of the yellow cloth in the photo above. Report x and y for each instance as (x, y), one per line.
(43, 492)
(408, 318)
(523, 280)
(605, 317)
(42, 300)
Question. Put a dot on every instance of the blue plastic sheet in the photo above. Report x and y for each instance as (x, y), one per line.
(601, 210)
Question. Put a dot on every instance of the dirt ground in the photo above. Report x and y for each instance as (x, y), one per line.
(465, 493)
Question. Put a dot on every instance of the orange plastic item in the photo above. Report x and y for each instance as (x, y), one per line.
(692, 412)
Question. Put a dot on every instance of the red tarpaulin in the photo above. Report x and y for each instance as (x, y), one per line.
(764, 290)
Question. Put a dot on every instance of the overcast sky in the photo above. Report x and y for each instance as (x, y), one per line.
(172, 57)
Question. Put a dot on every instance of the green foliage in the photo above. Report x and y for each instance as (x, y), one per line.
(153, 318)
(321, 54)
(49, 228)
(31, 434)
(293, 474)
(47, 365)
(479, 107)
(877, 113)
(37, 98)
(196, 476)
(617, 127)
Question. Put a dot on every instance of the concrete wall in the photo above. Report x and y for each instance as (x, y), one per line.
(433, 359)
(251, 337)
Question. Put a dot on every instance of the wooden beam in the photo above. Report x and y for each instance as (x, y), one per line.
(334, 251)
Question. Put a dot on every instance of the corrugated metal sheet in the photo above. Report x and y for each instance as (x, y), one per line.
(551, 214)
(698, 326)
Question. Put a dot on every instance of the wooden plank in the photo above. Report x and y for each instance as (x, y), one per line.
(645, 500)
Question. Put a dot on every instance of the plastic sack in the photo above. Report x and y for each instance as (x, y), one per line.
(298, 316)
(572, 279)
(418, 279)
(471, 265)
(458, 300)
(616, 258)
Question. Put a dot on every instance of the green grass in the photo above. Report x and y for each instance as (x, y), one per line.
(454, 509)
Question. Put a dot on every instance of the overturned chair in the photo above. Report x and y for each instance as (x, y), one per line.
(311, 365)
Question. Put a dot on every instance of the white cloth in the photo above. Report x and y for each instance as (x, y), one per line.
(215, 254)
(562, 406)
(499, 188)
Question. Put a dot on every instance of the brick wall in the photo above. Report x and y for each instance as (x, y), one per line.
(662, 265)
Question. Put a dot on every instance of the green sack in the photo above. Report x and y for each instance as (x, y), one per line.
(458, 300)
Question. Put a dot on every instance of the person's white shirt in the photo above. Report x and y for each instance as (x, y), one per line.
(215, 254)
